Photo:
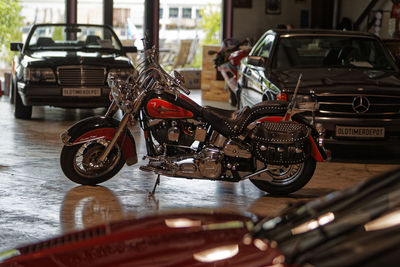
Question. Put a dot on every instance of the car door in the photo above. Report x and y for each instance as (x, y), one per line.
(253, 72)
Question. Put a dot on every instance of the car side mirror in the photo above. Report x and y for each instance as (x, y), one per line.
(16, 46)
(257, 61)
(130, 49)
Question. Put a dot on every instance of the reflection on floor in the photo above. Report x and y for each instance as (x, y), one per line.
(38, 202)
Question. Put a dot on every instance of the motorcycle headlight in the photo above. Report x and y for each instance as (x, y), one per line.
(39, 74)
(117, 95)
(122, 73)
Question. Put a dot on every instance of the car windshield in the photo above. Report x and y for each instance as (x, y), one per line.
(332, 52)
(75, 37)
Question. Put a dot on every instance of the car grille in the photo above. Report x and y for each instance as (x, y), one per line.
(346, 104)
(81, 75)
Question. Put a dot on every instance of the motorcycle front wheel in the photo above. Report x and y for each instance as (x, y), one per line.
(80, 162)
(285, 179)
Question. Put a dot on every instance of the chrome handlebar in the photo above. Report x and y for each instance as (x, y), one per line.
(151, 76)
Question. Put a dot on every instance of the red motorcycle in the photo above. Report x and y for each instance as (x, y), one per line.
(227, 62)
(270, 144)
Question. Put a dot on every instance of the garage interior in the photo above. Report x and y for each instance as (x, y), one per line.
(38, 202)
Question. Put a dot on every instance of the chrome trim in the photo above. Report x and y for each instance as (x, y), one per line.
(360, 104)
(347, 113)
(65, 138)
(257, 178)
(323, 34)
(356, 94)
(83, 78)
(349, 104)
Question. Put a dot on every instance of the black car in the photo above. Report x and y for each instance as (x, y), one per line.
(66, 65)
(351, 76)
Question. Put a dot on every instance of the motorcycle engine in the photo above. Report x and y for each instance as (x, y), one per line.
(210, 162)
(176, 132)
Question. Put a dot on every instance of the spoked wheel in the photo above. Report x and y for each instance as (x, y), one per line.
(285, 179)
(80, 162)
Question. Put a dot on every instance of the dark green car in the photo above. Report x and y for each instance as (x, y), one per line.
(351, 77)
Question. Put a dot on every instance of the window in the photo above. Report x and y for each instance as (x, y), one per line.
(198, 13)
(161, 12)
(333, 52)
(173, 12)
(187, 13)
(120, 16)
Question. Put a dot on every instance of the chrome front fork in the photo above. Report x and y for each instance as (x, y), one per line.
(117, 134)
(112, 109)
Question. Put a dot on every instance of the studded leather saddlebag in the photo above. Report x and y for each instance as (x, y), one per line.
(281, 143)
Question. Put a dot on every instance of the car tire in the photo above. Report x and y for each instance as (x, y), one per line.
(12, 88)
(20, 110)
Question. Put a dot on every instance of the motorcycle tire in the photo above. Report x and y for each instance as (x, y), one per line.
(286, 179)
(79, 163)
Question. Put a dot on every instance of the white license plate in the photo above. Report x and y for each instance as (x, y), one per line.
(363, 132)
(81, 91)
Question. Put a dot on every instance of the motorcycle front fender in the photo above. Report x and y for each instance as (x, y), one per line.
(99, 127)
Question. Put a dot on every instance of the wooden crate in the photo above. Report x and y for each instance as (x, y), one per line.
(211, 88)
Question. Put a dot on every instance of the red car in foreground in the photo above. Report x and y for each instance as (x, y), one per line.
(359, 226)
(189, 239)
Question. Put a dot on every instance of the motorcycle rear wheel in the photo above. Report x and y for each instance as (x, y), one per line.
(79, 162)
(286, 179)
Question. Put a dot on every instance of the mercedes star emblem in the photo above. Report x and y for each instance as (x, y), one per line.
(360, 104)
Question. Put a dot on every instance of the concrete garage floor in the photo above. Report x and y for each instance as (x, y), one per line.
(38, 202)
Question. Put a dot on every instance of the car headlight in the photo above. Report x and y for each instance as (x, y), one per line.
(305, 102)
(39, 74)
(122, 73)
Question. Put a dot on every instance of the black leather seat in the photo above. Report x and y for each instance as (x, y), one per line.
(226, 122)
(233, 122)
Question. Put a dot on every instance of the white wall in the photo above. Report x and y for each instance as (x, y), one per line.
(253, 22)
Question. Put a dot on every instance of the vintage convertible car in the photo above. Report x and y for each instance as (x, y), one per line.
(66, 65)
(351, 76)
(359, 226)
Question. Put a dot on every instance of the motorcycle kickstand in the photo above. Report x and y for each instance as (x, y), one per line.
(151, 194)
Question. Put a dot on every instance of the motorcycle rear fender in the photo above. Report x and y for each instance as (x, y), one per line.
(317, 152)
(94, 128)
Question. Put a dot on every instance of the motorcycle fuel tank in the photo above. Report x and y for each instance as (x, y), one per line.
(159, 108)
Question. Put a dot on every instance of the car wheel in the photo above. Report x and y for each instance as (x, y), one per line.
(20, 110)
(12, 88)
